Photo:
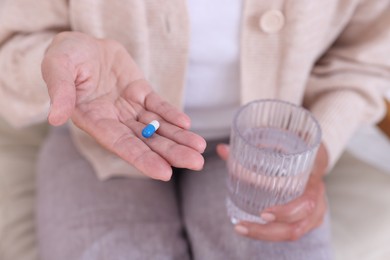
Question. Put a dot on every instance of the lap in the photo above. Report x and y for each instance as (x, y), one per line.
(212, 235)
(18, 149)
(80, 217)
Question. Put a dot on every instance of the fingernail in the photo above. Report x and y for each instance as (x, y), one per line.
(267, 217)
(241, 229)
(312, 205)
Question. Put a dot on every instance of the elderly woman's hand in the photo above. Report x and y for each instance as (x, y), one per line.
(97, 84)
(294, 219)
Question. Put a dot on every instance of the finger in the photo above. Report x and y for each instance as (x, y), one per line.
(270, 232)
(308, 224)
(223, 151)
(140, 92)
(120, 140)
(167, 111)
(177, 155)
(291, 212)
(59, 75)
(302, 207)
(174, 133)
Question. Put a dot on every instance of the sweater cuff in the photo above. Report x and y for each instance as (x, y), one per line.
(339, 114)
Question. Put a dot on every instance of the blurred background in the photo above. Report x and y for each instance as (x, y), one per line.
(359, 194)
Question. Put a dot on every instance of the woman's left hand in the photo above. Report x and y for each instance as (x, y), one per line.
(293, 220)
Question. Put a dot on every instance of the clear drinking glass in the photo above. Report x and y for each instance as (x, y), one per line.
(273, 146)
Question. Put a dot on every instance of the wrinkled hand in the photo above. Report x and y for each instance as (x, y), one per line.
(98, 85)
(293, 220)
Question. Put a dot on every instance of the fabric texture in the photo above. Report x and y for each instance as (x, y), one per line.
(130, 218)
(358, 195)
(328, 55)
(18, 156)
(122, 218)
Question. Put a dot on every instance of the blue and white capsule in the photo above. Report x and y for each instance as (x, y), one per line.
(150, 129)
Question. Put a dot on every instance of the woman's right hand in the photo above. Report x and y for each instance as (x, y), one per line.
(98, 85)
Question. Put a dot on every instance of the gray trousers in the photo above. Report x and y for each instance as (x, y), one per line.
(80, 217)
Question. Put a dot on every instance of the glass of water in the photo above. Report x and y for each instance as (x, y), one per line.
(273, 146)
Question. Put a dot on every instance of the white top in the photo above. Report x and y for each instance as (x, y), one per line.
(212, 87)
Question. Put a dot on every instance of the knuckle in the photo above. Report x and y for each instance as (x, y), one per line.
(296, 231)
(61, 35)
(293, 234)
(310, 206)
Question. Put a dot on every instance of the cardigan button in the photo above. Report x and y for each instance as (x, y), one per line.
(272, 21)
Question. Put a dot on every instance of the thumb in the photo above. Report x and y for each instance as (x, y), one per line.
(223, 151)
(59, 75)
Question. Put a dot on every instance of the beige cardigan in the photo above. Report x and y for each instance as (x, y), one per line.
(331, 56)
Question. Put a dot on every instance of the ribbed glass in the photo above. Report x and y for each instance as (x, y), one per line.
(273, 146)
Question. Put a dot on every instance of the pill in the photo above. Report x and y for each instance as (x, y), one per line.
(149, 130)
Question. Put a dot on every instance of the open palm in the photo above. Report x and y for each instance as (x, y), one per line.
(97, 84)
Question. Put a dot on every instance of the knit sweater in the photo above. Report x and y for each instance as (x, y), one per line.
(333, 57)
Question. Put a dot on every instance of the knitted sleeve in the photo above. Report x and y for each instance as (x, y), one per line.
(346, 85)
(26, 29)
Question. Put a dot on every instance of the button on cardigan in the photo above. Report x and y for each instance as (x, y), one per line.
(330, 56)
